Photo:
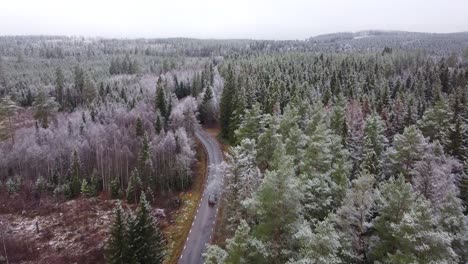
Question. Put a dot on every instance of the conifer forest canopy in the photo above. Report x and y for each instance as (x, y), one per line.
(341, 148)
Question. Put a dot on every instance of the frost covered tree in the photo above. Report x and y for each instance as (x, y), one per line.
(8, 111)
(134, 187)
(435, 123)
(267, 143)
(278, 209)
(374, 145)
(207, 107)
(325, 171)
(252, 124)
(356, 213)
(146, 242)
(434, 175)
(408, 148)
(404, 230)
(242, 178)
(323, 244)
(45, 107)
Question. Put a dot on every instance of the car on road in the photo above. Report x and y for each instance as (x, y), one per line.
(212, 199)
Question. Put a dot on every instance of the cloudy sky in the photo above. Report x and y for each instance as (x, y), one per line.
(258, 19)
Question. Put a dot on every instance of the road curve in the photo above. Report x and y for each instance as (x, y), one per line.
(203, 223)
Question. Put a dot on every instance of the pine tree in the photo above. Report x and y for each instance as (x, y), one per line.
(117, 245)
(408, 148)
(44, 107)
(8, 111)
(324, 244)
(146, 241)
(450, 219)
(277, 207)
(355, 214)
(404, 228)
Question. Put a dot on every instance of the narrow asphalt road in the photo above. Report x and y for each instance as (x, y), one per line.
(203, 223)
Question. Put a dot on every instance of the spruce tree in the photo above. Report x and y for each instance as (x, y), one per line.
(139, 131)
(374, 145)
(146, 241)
(117, 245)
(75, 175)
(161, 98)
(226, 104)
(134, 187)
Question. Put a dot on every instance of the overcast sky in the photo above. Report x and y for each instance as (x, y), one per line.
(258, 19)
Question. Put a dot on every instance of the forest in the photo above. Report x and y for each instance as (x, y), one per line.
(342, 148)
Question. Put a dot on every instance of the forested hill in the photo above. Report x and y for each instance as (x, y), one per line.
(435, 43)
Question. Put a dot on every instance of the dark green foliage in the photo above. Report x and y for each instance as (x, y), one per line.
(139, 131)
(117, 245)
(115, 191)
(226, 105)
(75, 175)
(145, 239)
(134, 187)
(161, 104)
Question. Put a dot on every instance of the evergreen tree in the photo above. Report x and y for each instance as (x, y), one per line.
(226, 104)
(252, 125)
(161, 98)
(59, 86)
(408, 148)
(242, 178)
(8, 111)
(374, 145)
(115, 189)
(134, 187)
(146, 242)
(45, 107)
(324, 244)
(277, 205)
(355, 214)
(89, 89)
(117, 245)
(404, 228)
(139, 131)
(206, 108)
(75, 175)
(85, 189)
(435, 123)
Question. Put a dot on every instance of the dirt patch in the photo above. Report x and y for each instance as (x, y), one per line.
(75, 232)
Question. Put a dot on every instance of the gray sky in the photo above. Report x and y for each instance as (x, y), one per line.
(259, 19)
